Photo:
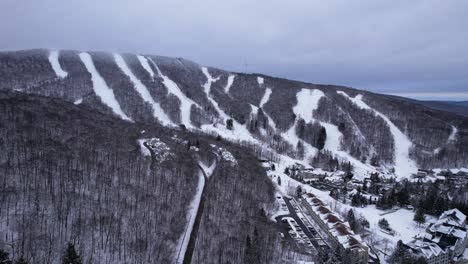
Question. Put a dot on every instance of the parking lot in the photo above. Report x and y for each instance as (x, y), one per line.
(296, 228)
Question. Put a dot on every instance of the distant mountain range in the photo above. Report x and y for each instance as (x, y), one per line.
(457, 107)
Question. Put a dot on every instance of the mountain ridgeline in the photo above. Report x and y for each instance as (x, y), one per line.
(299, 119)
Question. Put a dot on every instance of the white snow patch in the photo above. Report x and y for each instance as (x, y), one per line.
(54, 62)
(144, 63)
(260, 80)
(79, 101)
(185, 102)
(100, 87)
(307, 103)
(158, 112)
(266, 97)
(453, 135)
(230, 81)
(404, 166)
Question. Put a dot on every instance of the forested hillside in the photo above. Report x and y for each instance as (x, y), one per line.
(70, 174)
(298, 119)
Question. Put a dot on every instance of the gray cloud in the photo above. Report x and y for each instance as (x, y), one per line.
(392, 46)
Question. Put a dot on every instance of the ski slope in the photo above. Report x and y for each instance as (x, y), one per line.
(100, 87)
(144, 63)
(239, 131)
(404, 165)
(453, 135)
(185, 102)
(230, 81)
(307, 102)
(54, 62)
(158, 112)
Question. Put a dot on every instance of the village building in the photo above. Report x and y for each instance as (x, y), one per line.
(444, 241)
(339, 234)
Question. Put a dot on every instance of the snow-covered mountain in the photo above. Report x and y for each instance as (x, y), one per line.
(317, 123)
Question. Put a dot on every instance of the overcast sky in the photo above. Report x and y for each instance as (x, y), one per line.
(417, 48)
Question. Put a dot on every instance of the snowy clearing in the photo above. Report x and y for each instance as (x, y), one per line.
(54, 62)
(100, 87)
(404, 166)
(79, 101)
(260, 80)
(158, 112)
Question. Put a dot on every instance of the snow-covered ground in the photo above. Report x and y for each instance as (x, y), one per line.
(238, 132)
(230, 81)
(185, 102)
(260, 80)
(54, 62)
(158, 112)
(160, 149)
(145, 64)
(100, 87)
(401, 220)
(453, 135)
(404, 165)
(307, 102)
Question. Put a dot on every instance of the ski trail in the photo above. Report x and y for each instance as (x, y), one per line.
(404, 166)
(54, 62)
(144, 63)
(230, 81)
(158, 112)
(453, 135)
(185, 102)
(307, 102)
(238, 132)
(100, 87)
(265, 99)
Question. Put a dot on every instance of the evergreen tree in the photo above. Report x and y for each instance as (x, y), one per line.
(419, 216)
(383, 223)
(399, 255)
(4, 257)
(352, 220)
(279, 180)
(21, 260)
(300, 150)
(299, 191)
(322, 138)
(229, 123)
(71, 257)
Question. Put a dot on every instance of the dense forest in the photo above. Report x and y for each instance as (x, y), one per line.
(72, 175)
